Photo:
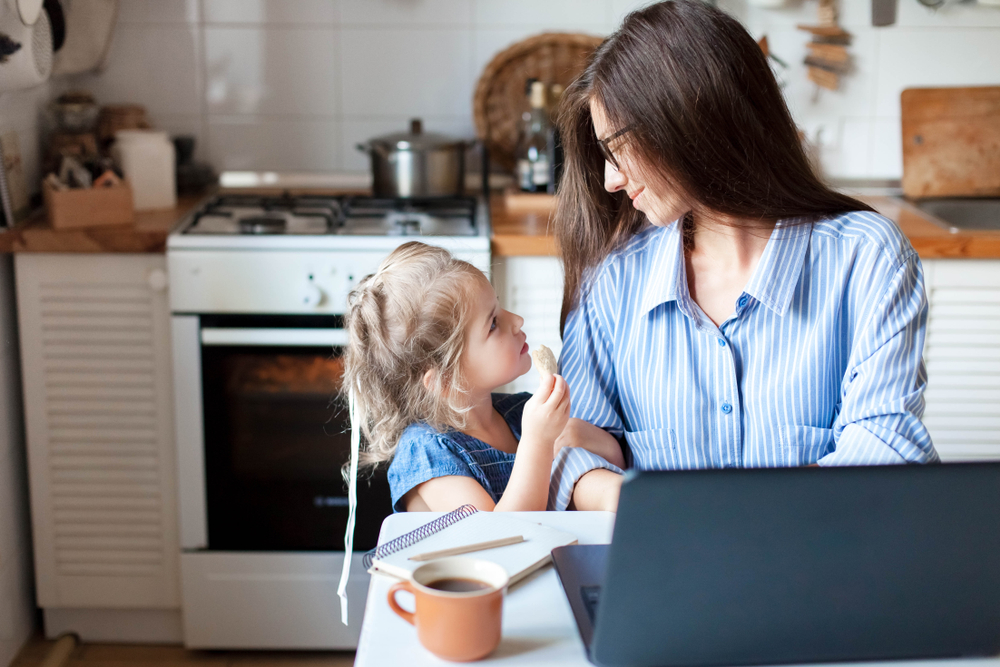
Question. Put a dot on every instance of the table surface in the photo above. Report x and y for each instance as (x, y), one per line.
(538, 625)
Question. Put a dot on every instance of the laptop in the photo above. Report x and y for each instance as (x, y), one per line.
(768, 566)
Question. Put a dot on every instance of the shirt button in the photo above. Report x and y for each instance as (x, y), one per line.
(722, 343)
(743, 301)
(726, 408)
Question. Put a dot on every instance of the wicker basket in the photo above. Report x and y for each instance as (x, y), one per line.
(500, 101)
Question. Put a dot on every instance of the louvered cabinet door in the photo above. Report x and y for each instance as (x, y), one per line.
(962, 353)
(95, 353)
(532, 288)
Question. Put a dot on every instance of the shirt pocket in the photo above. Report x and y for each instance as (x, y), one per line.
(804, 445)
(655, 449)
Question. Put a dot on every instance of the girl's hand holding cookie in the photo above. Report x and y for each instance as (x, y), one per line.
(547, 411)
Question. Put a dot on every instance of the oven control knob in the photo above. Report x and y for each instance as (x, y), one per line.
(312, 295)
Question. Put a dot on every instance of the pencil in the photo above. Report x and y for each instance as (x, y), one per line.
(478, 546)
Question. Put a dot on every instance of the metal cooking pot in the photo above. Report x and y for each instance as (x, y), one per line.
(416, 164)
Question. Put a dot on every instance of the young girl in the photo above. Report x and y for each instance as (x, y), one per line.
(428, 344)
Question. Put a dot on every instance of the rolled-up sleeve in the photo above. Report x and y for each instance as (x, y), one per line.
(882, 392)
(587, 364)
(570, 464)
(587, 360)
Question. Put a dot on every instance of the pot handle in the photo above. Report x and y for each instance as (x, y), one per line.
(372, 148)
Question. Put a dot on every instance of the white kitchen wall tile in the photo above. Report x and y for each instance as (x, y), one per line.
(158, 11)
(272, 70)
(951, 15)
(887, 148)
(271, 12)
(490, 42)
(354, 131)
(19, 109)
(274, 143)
(854, 150)
(157, 66)
(856, 95)
(406, 12)
(397, 72)
(556, 13)
(620, 8)
(921, 57)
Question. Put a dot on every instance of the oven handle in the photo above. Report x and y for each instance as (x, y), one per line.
(274, 337)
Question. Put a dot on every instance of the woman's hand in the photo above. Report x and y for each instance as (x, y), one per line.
(546, 412)
(583, 434)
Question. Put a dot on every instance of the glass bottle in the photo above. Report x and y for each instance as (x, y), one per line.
(533, 151)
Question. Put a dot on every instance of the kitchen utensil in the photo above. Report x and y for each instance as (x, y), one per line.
(499, 101)
(57, 20)
(74, 116)
(88, 26)
(883, 12)
(28, 11)
(951, 142)
(416, 164)
(116, 117)
(29, 59)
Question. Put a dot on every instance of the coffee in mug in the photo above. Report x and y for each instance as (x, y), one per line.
(458, 606)
(457, 585)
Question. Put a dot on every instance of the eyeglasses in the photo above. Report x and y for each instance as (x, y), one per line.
(602, 146)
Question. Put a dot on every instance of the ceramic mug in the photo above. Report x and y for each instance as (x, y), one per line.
(459, 606)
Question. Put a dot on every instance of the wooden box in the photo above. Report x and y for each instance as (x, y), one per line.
(93, 207)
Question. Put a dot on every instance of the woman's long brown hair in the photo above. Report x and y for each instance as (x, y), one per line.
(708, 119)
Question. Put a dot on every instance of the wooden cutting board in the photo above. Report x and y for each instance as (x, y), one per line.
(951, 142)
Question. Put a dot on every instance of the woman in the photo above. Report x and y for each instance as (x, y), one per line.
(722, 307)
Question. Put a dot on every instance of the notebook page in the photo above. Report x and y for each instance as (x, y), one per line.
(518, 559)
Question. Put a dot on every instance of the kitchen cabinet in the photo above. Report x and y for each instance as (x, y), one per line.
(98, 401)
(963, 358)
(962, 349)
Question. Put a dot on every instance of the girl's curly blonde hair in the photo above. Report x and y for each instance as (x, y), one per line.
(408, 317)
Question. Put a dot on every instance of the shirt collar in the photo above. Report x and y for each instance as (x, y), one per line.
(773, 282)
(667, 276)
(776, 277)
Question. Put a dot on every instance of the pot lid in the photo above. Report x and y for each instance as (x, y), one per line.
(415, 139)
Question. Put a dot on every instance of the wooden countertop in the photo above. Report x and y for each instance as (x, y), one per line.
(524, 229)
(521, 226)
(147, 234)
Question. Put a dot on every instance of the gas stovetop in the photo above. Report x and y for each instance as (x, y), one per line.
(240, 215)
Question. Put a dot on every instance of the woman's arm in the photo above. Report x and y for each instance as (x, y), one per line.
(597, 490)
(879, 420)
(587, 363)
(579, 433)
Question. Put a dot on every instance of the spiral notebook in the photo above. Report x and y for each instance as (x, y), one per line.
(464, 526)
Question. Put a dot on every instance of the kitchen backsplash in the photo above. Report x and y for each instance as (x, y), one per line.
(296, 84)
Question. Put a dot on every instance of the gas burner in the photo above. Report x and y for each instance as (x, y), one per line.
(262, 225)
(243, 214)
(332, 216)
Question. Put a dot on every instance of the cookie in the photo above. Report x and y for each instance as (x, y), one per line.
(545, 361)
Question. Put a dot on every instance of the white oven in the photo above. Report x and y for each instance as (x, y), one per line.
(257, 340)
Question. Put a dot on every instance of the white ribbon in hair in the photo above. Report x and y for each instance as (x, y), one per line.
(352, 499)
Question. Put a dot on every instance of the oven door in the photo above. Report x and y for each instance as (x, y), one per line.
(274, 435)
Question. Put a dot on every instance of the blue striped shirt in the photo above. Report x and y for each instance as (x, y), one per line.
(820, 362)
